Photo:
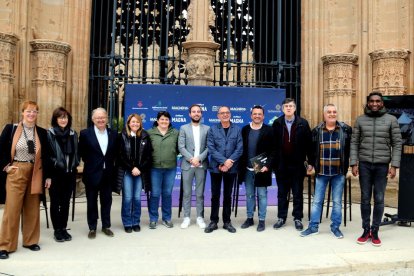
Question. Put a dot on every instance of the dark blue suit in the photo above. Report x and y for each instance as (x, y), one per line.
(95, 177)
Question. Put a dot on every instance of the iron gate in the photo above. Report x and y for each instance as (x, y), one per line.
(140, 41)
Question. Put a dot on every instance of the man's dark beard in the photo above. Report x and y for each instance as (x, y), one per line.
(194, 121)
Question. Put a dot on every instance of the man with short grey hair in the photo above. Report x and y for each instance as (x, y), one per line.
(97, 148)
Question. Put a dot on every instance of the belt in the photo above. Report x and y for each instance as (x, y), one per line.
(28, 161)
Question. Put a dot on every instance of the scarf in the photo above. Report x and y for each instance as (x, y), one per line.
(63, 138)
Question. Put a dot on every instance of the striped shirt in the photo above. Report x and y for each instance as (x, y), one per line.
(330, 152)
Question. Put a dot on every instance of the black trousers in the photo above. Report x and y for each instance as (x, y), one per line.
(60, 193)
(104, 190)
(290, 179)
(228, 180)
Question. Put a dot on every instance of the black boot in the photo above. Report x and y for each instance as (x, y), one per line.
(249, 222)
(58, 235)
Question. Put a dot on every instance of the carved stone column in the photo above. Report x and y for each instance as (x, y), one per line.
(390, 71)
(200, 45)
(339, 82)
(48, 60)
(7, 75)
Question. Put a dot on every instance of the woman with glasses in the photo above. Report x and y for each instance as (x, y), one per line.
(64, 160)
(164, 140)
(23, 157)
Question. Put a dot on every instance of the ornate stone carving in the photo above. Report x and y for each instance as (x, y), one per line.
(390, 71)
(339, 81)
(8, 47)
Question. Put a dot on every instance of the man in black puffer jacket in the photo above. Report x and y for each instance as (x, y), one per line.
(376, 141)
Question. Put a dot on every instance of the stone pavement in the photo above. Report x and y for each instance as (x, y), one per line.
(192, 252)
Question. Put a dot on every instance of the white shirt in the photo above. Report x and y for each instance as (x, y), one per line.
(196, 135)
(102, 137)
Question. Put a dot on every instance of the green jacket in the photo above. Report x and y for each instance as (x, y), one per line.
(376, 138)
(165, 148)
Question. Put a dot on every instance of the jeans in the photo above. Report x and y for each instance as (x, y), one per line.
(228, 181)
(131, 200)
(251, 197)
(162, 183)
(372, 177)
(337, 183)
(290, 179)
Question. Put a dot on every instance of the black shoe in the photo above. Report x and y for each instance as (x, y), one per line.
(261, 226)
(229, 227)
(279, 223)
(58, 235)
(298, 225)
(211, 227)
(66, 235)
(108, 232)
(136, 228)
(92, 234)
(249, 222)
(4, 254)
(33, 247)
(128, 229)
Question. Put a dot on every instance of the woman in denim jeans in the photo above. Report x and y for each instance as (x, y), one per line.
(164, 140)
(135, 159)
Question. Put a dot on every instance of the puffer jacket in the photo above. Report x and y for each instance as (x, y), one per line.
(376, 138)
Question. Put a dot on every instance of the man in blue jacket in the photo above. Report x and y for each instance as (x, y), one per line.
(225, 146)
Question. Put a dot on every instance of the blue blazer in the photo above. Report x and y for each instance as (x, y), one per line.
(93, 157)
(222, 147)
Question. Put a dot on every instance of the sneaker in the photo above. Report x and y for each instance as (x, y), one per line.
(57, 235)
(298, 225)
(186, 223)
(337, 233)
(375, 240)
(229, 227)
(153, 225)
(310, 232)
(249, 222)
(364, 237)
(201, 223)
(136, 228)
(279, 223)
(211, 227)
(128, 229)
(167, 223)
(66, 235)
(261, 226)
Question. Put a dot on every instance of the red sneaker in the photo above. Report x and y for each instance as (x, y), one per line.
(375, 240)
(364, 237)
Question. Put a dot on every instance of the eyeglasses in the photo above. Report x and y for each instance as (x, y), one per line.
(63, 118)
(31, 111)
(224, 113)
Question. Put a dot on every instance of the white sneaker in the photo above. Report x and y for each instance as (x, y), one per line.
(186, 223)
(201, 223)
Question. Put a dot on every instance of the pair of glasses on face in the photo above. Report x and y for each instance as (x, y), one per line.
(224, 113)
(31, 111)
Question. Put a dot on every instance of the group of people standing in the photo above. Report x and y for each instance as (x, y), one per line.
(136, 159)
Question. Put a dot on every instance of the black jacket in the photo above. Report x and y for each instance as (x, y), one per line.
(345, 133)
(302, 144)
(57, 158)
(140, 158)
(93, 158)
(265, 144)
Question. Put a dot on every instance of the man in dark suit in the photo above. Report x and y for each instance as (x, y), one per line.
(97, 147)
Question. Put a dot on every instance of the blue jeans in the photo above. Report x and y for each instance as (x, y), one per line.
(251, 197)
(162, 183)
(337, 182)
(372, 178)
(131, 200)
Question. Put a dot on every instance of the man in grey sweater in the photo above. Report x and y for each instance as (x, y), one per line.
(376, 142)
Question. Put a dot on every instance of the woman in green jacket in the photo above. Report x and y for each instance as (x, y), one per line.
(164, 140)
